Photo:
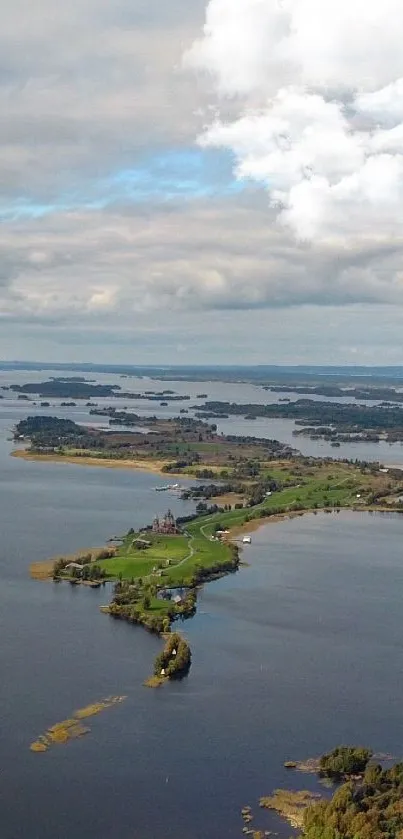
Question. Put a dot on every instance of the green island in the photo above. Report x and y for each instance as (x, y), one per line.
(366, 802)
(372, 393)
(77, 387)
(173, 662)
(158, 569)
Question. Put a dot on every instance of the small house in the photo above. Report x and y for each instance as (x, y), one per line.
(177, 599)
(73, 566)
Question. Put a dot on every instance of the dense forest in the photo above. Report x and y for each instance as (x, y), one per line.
(327, 418)
(376, 394)
(317, 413)
(366, 802)
(65, 389)
(371, 808)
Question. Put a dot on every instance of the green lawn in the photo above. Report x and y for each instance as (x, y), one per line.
(314, 492)
(132, 562)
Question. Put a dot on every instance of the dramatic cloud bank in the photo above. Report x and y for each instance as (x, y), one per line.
(311, 106)
(276, 237)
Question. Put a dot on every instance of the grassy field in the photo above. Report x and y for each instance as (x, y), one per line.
(172, 560)
(176, 560)
(196, 555)
(132, 562)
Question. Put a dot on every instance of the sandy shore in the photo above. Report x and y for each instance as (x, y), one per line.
(154, 466)
(255, 524)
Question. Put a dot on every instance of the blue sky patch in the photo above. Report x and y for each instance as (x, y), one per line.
(187, 174)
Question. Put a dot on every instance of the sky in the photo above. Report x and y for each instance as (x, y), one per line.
(201, 181)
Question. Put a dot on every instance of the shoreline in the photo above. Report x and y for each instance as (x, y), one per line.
(255, 524)
(153, 466)
(43, 570)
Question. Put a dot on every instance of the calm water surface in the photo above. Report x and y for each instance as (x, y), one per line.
(300, 650)
(278, 429)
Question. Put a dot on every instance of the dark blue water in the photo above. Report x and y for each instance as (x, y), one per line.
(299, 651)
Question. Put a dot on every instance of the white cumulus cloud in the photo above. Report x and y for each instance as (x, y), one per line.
(310, 103)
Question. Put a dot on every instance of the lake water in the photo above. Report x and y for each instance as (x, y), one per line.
(277, 429)
(297, 652)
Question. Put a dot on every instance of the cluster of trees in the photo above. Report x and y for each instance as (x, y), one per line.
(88, 570)
(49, 433)
(344, 760)
(204, 509)
(205, 474)
(132, 601)
(187, 607)
(369, 809)
(92, 573)
(188, 459)
(255, 493)
(38, 425)
(206, 491)
(137, 613)
(175, 659)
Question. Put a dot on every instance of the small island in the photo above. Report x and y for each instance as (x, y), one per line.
(72, 728)
(172, 663)
(69, 388)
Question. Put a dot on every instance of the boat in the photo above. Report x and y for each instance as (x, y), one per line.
(167, 487)
(246, 540)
